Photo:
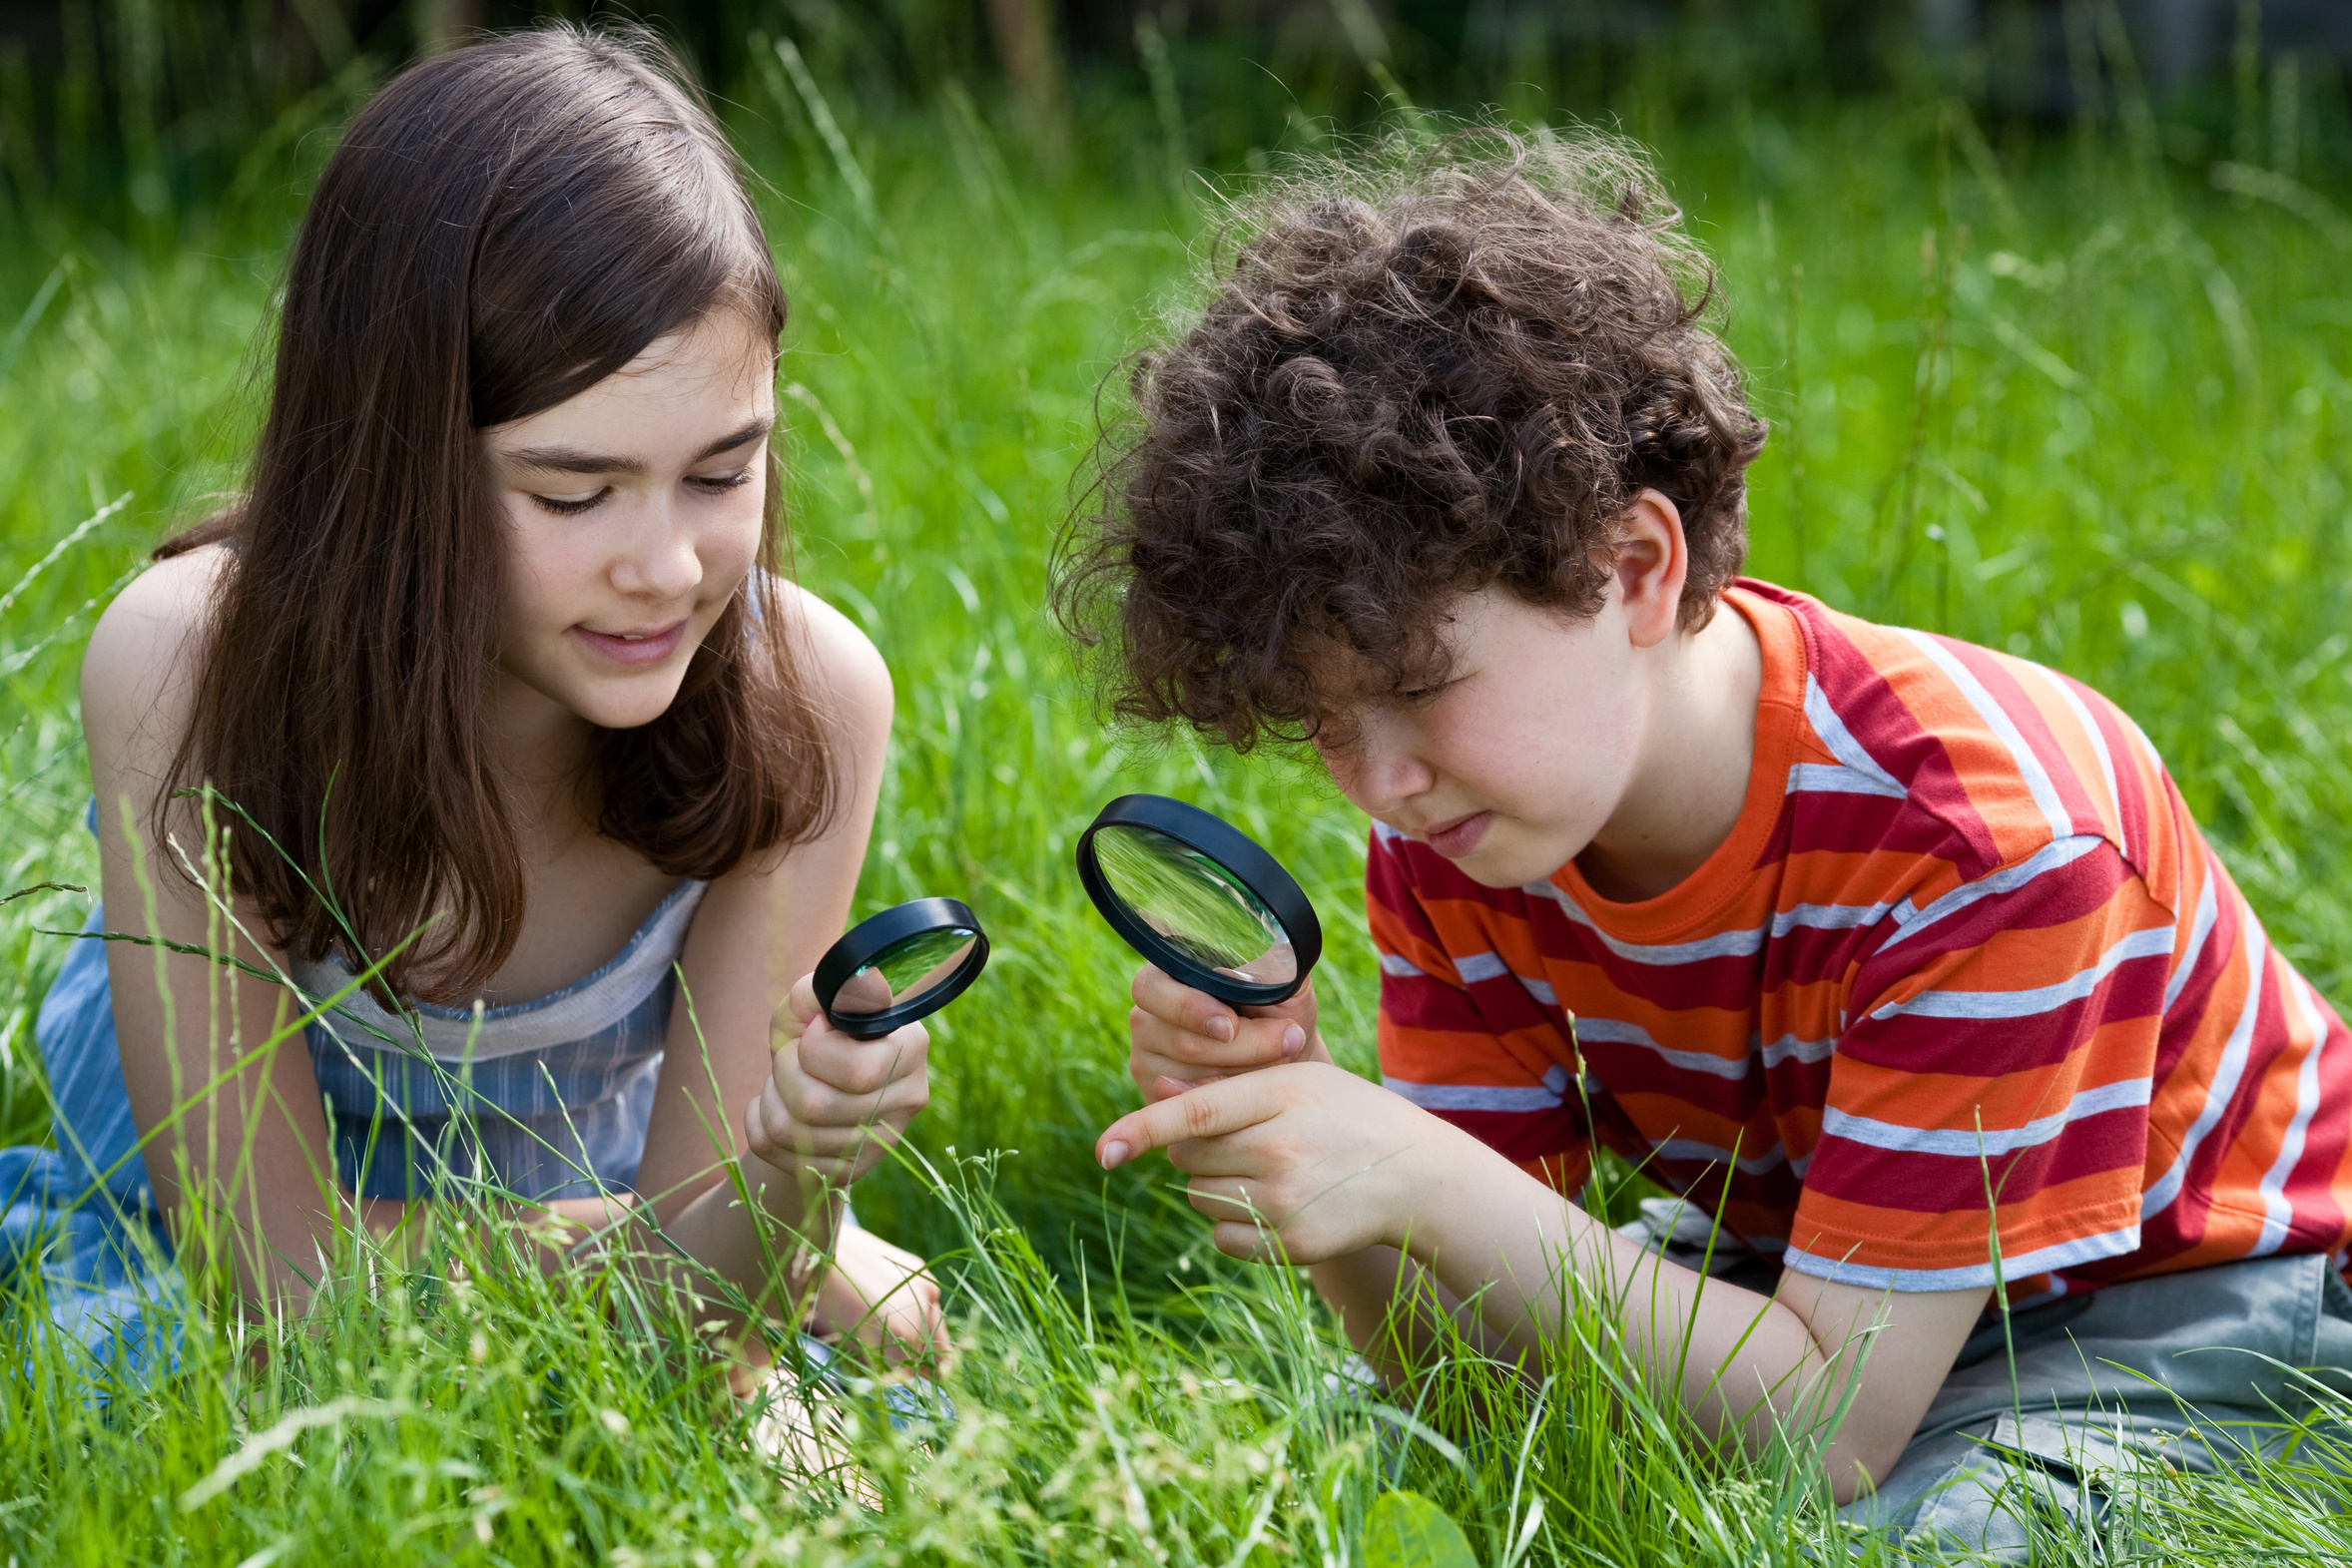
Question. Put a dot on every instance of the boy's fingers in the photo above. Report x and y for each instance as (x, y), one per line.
(1164, 1087)
(1210, 1111)
(1151, 1073)
(1250, 1242)
(1256, 1042)
(1173, 1003)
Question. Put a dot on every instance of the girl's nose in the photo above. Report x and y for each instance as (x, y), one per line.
(662, 559)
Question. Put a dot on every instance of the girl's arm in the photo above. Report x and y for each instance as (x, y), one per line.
(239, 1135)
(253, 1153)
(758, 933)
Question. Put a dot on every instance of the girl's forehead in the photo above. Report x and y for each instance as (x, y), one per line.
(724, 346)
(720, 370)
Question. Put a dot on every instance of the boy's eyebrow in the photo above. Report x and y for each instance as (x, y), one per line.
(572, 460)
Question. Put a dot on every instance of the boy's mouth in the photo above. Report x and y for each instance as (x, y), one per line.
(1459, 838)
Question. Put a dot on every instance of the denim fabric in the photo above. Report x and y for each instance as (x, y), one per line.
(559, 1117)
(2151, 1369)
(2155, 1369)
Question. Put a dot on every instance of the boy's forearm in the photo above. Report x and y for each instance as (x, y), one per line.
(1525, 1258)
(1389, 1307)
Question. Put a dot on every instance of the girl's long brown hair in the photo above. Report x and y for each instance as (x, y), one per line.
(500, 229)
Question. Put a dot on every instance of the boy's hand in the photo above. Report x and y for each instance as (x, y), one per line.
(1301, 1163)
(1180, 1037)
(833, 1105)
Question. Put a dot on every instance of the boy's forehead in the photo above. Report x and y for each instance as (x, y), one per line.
(1342, 674)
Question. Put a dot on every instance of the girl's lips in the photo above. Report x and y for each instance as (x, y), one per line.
(649, 649)
(1460, 836)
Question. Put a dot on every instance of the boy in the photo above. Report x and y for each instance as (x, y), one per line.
(1868, 942)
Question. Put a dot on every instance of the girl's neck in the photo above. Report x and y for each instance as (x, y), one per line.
(538, 749)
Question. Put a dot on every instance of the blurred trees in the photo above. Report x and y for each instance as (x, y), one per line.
(137, 101)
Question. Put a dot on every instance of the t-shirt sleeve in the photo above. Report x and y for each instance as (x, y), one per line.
(1995, 1059)
(1471, 1048)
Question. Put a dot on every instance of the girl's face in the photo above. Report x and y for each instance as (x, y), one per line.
(632, 515)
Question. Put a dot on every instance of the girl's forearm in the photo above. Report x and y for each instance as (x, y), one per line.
(712, 1250)
(765, 1247)
(720, 1250)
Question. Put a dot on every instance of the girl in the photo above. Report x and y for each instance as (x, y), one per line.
(509, 714)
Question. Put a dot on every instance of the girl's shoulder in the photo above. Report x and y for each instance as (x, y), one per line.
(148, 646)
(842, 657)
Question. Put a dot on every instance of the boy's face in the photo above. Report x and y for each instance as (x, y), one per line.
(1514, 764)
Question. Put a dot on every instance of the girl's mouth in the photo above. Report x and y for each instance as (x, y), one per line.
(647, 647)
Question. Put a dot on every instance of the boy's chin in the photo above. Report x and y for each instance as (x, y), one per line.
(1507, 866)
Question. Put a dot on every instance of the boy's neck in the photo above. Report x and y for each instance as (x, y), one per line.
(1686, 792)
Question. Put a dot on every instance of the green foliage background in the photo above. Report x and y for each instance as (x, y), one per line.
(2074, 390)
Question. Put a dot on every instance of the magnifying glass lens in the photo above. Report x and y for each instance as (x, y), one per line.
(903, 972)
(905, 963)
(1199, 899)
(1199, 906)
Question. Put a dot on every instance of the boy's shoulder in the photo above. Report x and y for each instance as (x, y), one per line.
(1981, 759)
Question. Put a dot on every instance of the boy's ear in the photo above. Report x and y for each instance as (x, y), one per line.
(1653, 559)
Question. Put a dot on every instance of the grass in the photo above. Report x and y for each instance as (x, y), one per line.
(2073, 399)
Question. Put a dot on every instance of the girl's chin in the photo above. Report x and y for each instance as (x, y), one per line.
(638, 704)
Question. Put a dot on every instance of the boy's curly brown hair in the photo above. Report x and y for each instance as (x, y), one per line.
(1436, 365)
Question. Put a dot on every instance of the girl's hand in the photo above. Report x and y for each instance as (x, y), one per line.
(881, 1295)
(1301, 1163)
(1182, 1037)
(833, 1104)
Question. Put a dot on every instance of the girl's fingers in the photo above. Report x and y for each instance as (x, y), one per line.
(803, 1000)
(815, 1108)
(1229, 1199)
(858, 1066)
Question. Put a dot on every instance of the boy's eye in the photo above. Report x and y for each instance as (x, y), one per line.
(718, 484)
(571, 505)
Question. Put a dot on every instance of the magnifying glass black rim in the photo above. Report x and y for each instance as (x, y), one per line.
(868, 939)
(1229, 848)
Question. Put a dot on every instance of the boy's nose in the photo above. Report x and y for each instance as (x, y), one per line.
(1376, 773)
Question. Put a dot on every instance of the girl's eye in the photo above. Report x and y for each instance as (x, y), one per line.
(719, 484)
(571, 506)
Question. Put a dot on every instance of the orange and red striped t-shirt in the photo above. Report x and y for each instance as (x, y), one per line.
(1964, 948)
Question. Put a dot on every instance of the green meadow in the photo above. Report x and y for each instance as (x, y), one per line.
(2076, 390)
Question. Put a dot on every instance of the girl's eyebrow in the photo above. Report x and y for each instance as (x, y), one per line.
(572, 460)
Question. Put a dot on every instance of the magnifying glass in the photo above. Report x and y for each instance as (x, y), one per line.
(905, 963)
(1196, 897)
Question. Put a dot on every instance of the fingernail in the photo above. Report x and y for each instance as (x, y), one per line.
(1114, 1154)
(1220, 1028)
(1294, 1040)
